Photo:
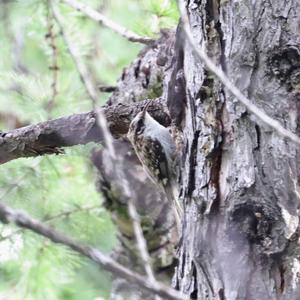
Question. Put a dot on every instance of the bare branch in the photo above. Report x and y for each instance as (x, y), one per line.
(8, 215)
(50, 136)
(129, 193)
(95, 15)
(218, 72)
(81, 67)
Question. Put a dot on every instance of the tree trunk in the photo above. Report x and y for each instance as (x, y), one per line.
(239, 178)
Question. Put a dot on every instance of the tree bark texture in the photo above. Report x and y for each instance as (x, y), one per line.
(240, 179)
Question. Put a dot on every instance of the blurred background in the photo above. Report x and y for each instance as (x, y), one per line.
(39, 81)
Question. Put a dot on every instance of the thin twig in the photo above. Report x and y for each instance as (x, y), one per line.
(108, 139)
(218, 72)
(82, 69)
(9, 215)
(141, 242)
(140, 239)
(67, 213)
(50, 37)
(63, 214)
(19, 180)
(133, 214)
(98, 17)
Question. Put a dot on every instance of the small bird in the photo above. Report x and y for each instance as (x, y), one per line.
(156, 150)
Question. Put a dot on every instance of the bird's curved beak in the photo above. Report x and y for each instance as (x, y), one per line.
(145, 108)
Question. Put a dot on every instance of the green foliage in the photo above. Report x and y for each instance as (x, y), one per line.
(60, 190)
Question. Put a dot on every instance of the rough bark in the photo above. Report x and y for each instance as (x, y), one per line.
(240, 179)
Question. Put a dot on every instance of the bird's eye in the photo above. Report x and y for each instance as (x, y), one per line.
(140, 126)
